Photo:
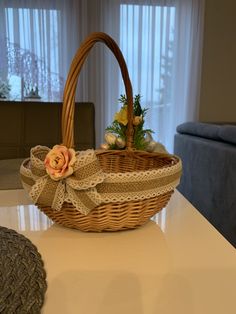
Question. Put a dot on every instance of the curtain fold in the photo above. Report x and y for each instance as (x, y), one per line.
(187, 63)
(161, 41)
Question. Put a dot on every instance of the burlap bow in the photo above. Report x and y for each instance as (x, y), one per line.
(78, 188)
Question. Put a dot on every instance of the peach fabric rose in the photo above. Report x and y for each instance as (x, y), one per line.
(59, 162)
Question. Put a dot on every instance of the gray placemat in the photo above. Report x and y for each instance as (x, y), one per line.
(22, 275)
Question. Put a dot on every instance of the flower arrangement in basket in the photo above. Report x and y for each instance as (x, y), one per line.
(117, 188)
(115, 136)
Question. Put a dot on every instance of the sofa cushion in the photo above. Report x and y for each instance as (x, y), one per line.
(27, 124)
(209, 179)
(228, 133)
(10, 174)
(207, 130)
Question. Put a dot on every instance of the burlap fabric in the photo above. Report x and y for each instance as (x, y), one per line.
(22, 275)
(78, 189)
(89, 186)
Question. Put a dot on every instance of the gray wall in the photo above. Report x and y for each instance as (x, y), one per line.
(218, 85)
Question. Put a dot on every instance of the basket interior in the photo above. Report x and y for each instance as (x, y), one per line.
(123, 161)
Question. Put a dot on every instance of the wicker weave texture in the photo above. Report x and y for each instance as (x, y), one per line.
(116, 215)
(109, 217)
(119, 215)
(22, 275)
(72, 79)
(121, 161)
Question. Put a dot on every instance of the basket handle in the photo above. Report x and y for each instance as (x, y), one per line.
(71, 82)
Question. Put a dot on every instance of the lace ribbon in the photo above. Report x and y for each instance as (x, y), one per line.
(78, 189)
(89, 187)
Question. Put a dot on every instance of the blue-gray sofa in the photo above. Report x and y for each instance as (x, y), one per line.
(208, 153)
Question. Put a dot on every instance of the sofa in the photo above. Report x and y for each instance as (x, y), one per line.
(30, 123)
(208, 153)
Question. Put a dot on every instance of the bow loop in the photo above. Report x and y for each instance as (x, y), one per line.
(78, 188)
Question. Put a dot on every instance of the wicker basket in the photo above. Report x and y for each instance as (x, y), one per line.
(154, 168)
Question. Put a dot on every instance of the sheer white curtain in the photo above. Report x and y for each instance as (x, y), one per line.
(148, 41)
(187, 64)
(38, 41)
(30, 37)
(161, 42)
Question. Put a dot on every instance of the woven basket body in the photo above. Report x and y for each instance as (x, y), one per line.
(109, 217)
(154, 169)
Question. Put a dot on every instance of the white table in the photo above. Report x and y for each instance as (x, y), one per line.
(176, 264)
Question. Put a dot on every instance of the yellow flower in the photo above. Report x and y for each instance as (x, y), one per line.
(122, 116)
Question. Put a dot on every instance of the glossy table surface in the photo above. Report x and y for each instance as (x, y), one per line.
(176, 263)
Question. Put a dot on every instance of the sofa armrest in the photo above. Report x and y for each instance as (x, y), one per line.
(27, 124)
(209, 180)
(217, 132)
(10, 174)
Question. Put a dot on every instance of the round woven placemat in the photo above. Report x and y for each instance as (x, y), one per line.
(22, 275)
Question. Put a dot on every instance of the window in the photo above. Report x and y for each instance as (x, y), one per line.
(30, 56)
(147, 39)
(160, 39)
